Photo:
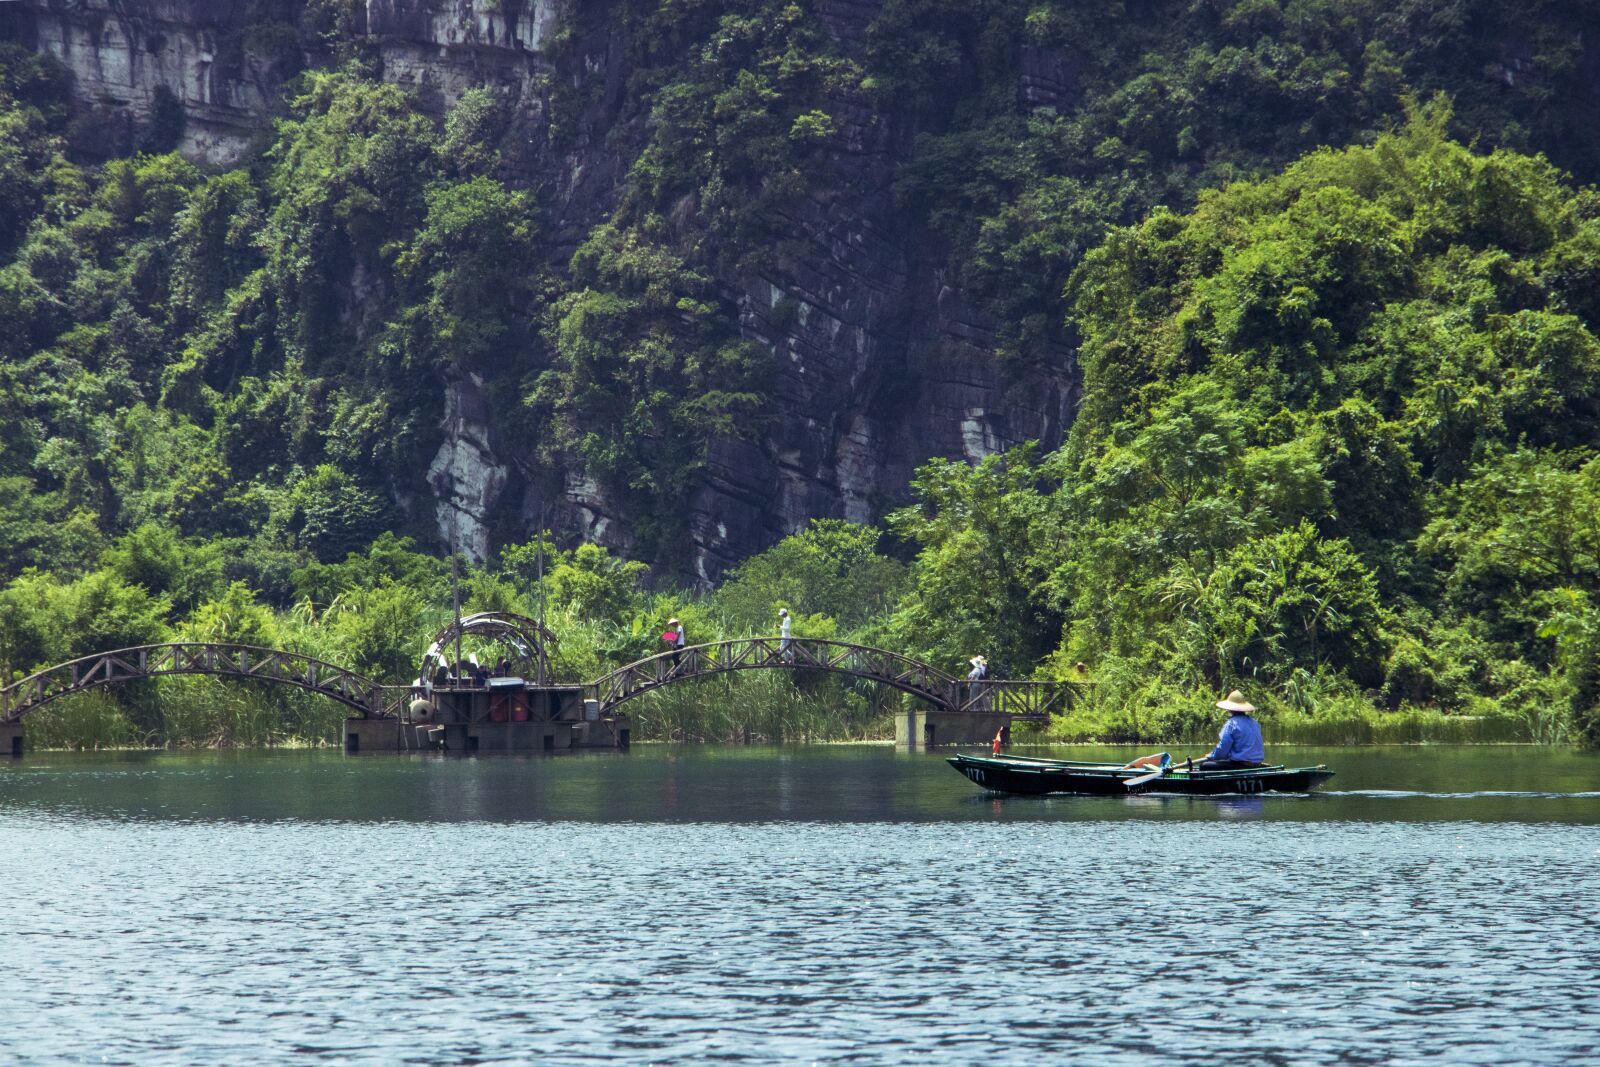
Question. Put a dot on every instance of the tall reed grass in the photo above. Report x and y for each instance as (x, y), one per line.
(765, 706)
(187, 712)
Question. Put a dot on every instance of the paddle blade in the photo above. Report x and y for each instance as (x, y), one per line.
(1143, 778)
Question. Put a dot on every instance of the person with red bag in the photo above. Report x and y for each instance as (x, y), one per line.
(675, 640)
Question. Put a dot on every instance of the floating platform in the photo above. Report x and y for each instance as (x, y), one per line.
(506, 715)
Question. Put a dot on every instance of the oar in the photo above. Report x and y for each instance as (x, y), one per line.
(1166, 765)
(1143, 778)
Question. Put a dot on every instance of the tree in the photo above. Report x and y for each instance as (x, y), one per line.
(987, 543)
(335, 515)
(594, 583)
(1291, 601)
(831, 568)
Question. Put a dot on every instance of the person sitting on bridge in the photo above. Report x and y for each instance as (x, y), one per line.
(1239, 743)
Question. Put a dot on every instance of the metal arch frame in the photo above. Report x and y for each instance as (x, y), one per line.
(174, 658)
(760, 653)
(492, 624)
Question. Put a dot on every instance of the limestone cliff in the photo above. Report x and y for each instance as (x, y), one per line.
(880, 360)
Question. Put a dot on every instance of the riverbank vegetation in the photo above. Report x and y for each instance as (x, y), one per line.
(1337, 445)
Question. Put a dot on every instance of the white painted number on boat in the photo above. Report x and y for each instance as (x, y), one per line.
(976, 774)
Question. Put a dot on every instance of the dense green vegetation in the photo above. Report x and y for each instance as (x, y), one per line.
(1160, 100)
(1338, 439)
(1338, 444)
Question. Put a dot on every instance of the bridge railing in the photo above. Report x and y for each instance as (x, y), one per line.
(1034, 701)
(754, 653)
(178, 658)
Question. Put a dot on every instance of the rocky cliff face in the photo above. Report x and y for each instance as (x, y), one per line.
(880, 362)
(224, 61)
(130, 60)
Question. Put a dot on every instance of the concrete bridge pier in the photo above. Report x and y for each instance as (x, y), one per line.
(10, 739)
(371, 735)
(924, 727)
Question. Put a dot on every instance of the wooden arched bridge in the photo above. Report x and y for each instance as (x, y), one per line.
(245, 662)
(1020, 700)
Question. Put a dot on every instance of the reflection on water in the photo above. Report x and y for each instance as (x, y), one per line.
(736, 783)
(822, 904)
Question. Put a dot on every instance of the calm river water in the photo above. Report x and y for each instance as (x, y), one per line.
(827, 904)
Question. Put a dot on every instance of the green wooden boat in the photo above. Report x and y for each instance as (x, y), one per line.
(1029, 776)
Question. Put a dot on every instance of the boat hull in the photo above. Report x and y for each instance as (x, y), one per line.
(1037, 777)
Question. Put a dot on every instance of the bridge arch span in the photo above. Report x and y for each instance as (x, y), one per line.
(768, 653)
(245, 662)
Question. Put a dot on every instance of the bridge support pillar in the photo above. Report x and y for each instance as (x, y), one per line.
(921, 727)
(10, 739)
(371, 735)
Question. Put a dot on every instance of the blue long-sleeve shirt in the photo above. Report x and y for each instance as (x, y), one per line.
(1240, 740)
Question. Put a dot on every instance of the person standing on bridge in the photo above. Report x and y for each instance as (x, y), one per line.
(975, 686)
(675, 639)
(785, 636)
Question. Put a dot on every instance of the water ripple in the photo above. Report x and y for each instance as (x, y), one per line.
(1365, 928)
(571, 942)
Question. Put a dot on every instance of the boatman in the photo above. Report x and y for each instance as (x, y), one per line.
(1239, 745)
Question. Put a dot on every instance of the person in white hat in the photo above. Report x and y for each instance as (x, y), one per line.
(675, 641)
(785, 635)
(976, 697)
(1239, 743)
